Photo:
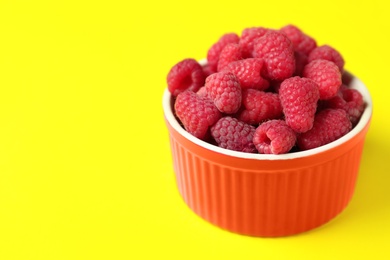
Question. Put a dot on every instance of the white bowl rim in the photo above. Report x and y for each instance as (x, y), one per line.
(364, 120)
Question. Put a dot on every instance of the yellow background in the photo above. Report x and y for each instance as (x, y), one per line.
(85, 166)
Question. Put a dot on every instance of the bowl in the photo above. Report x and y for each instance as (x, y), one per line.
(267, 195)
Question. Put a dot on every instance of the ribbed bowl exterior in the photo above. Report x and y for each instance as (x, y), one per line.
(267, 198)
(267, 195)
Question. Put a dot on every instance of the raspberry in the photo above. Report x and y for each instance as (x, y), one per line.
(329, 125)
(202, 92)
(299, 97)
(248, 73)
(186, 74)
(248, 36)
(326, 52)
(301, 41)
(231, 52)
(225, 90)
(350, 100)
(278, 54)
(215, 50)
(196, 113)
(230, 133)
(274, 137)
(326, 74)
(259, 106)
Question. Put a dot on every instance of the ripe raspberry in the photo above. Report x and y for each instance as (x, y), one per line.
(202, 92)
(259, 106)
(326, 52)
(350, 100)
(329, 125)
(225, 90)
(248, 73)
(215, 50)
(326, 74)
(231, 52)
(278, 54)
(248, 36)
(230, 133)
(186, 74)
(274, 137)
(302, 42)
(196, 113)
(299, 97)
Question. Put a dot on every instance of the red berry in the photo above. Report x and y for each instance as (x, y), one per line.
(248, 73)
(225, 90)
(196, 113)
(274, 137)
(302, 42)
(350, 100)
(329, 125)
(230, 133)
(230, 53)
(259, 106)
(248, 36)
(215, 50)
(278, 54)
(299, 97)
(202, 92)
(185, 75)
(326, 52)
(326, 74)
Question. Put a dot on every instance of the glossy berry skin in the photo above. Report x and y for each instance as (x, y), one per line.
(230, 133)
(196, 113)
(274, 137)
(329, 125)
(299, 97)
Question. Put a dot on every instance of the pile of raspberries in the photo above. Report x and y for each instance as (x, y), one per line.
(267, 91)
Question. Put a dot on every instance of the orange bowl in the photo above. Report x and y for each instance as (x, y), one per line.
(263, 194)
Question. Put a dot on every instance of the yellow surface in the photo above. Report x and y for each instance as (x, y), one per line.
(85, 166)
